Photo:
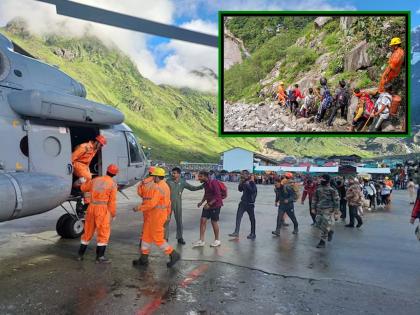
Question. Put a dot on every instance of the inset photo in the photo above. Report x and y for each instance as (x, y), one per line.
(314, 73)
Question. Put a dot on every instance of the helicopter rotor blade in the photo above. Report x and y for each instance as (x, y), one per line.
(102, 16)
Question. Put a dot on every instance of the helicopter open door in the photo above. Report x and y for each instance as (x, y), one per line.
(50, 150)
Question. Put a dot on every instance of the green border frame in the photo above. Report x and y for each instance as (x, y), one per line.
(407, 133)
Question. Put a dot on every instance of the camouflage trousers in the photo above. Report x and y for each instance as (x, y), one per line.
(325, 222)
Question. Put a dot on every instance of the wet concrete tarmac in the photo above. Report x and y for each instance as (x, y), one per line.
(373, 270)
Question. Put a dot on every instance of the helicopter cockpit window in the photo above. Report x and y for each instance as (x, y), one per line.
(133, 148)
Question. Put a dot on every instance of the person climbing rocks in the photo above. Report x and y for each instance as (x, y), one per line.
(364, 109)
(281, 94)
(395, 63)
(308, 103)
(326, 100)
(382, 107)
(293, 96)
(341, 102)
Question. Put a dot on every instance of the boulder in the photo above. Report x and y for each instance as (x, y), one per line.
(357, 58)
(322, 20)
(323, 61)
(346, 22)
(352, 107)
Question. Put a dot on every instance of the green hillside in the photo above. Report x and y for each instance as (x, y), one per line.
(178, 124)
(301, 51)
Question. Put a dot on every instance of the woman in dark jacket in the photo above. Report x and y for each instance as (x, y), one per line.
(285, 197)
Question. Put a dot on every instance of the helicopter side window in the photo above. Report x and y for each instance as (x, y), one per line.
(133, 148)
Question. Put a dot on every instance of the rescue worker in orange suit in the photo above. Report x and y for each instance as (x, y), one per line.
(145, 191)
(158, 209)
(101, 209)
(83, 155)
(281, 94)
(395, 63)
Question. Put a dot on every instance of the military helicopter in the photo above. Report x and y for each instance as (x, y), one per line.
(44, 115)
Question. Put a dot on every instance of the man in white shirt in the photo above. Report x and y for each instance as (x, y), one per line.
(382, 107)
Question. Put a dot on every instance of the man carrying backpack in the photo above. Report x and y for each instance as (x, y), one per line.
(341, 102)
(308, 103)
(326, 100)
(214, 193)
(249, 194)
(364, 109)
(381, 110)
(293, 96)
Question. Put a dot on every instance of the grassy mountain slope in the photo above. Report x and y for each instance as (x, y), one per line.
(304, 52)
(178, 124)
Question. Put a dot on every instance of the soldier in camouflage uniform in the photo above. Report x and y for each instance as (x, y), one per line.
(325, 206)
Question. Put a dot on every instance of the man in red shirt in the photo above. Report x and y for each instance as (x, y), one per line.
(211, 210)
(309, 190)
(293, 99)
(415, 214)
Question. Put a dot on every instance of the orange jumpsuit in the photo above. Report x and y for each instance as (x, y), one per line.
(281, 95)
(394, 68)
(145, 191)
(102, 207)
(81, 158)
(158, 210)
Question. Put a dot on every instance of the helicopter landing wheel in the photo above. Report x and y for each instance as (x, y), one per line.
(69, 226)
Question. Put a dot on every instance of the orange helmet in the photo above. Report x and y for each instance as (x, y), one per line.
(101, 139)
(151, 169)
(288, 175)
(112, 169)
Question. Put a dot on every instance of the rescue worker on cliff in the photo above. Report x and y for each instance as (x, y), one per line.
(145, 191)
(158, 209)
(281, 94)
(395, 63)
(102, 208)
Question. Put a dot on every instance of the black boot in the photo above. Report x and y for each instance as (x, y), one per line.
(100, 255)
(142, 261)
(330, 236)
(276, 232)
(82, 250)
(181, 241)
(321, 244)
(174, 256)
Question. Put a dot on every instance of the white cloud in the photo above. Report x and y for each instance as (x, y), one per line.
(418, 11)
(187, 57)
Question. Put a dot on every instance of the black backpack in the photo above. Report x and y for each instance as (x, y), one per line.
(342, 98)
(292, 96)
